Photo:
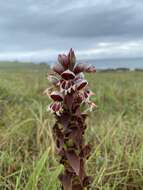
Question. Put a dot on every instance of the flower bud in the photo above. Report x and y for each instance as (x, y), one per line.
(79, 68)
(58, 68)
(72, 59)
(63, 60)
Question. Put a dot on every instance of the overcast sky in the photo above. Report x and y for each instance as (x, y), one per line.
(40, 29)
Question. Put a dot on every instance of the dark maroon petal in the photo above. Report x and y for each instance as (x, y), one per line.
(72, 59)
(56, 96)
(68, 75)
(63, 84)
(66, 86)
(56, 107)
(81, 84)
(58, 68)
(83, 68)
(86, 95)
(80, 67)
(63, 59)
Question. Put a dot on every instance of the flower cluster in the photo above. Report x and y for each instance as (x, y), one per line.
(70, 93)
(68, 79)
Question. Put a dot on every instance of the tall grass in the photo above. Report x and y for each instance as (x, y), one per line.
(115, 130)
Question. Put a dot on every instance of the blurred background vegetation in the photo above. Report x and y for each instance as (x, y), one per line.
(115, 130)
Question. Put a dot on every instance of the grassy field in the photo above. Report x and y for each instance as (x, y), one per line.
(115, 130)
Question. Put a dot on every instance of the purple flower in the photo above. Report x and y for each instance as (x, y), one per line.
(68, 75)
(56, 96)
(80, 67)
(80, 84)
(70, 94)
(56, 108)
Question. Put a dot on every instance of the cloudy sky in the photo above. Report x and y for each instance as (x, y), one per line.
(40, 29)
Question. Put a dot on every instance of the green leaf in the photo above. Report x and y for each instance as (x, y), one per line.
(33, 179)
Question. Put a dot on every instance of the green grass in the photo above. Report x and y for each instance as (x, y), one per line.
(115, 130)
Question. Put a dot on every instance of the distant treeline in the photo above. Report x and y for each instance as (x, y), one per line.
(121, 69)
(44, 65)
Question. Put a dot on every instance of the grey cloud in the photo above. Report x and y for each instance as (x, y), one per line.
(84, 22)
(31, 25)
